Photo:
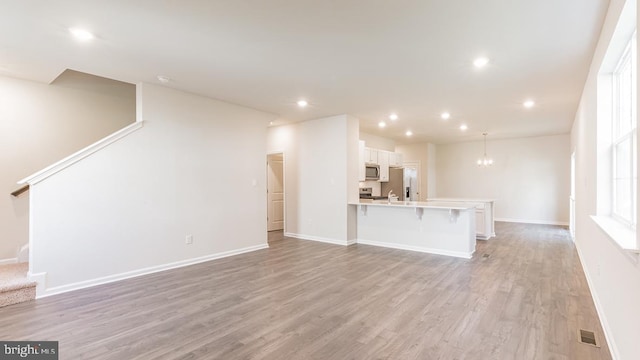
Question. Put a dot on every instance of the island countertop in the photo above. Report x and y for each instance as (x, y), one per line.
(417, 204)
(468, 200)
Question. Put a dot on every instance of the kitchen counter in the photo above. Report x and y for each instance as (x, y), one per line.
(436, 227)
(485, 222)
(418, 204)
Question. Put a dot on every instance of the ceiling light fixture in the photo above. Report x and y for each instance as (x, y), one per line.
(445, 115)
(302, 103)
(529, 104)
(393, 117)
(382, 124)
(163, 79)
(485, 161)
(480, 62)
(463, 127)
(81, 34)
(408, 133)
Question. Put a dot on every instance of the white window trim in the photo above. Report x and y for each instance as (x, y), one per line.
(628, 56)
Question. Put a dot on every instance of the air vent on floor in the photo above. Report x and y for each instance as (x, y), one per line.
(588, 337)
(486, 255)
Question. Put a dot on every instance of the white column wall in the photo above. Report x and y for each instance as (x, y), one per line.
(321, 177)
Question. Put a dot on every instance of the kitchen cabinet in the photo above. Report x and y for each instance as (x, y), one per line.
(370, 156)
(362, 172)
(383, 162)
(395, 159)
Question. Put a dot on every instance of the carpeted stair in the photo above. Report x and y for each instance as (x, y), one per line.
(15, 287)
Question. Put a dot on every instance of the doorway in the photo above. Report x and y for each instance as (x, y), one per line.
(275, 192)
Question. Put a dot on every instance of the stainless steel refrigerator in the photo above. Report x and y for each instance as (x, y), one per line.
(403, 182)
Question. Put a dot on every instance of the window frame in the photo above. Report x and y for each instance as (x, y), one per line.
(627, 59)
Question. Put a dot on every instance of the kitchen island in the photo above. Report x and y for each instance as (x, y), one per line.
(485, 222)
(436, 227)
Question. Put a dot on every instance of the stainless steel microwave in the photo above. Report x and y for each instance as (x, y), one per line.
(372, 172)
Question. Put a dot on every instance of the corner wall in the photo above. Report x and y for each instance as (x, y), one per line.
(41, 124)
(321, 177)
(197, 167)
(530, 177)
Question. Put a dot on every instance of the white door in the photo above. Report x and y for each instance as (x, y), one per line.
(275, 192)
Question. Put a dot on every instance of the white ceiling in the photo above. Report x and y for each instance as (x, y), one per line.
(366, 58)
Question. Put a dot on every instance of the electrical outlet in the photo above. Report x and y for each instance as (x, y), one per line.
(188, 240)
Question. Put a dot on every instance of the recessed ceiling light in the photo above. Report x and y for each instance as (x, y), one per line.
(480, 62)
(302, 103)
(408, 133)
(81, 34)
(270, 122)
(163, 79)
(393, 117)
(528, 104)
(382, 124)
(445, 115)
(463, 127)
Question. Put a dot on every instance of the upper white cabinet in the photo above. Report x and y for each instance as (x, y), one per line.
(395, 159)
(362, 171)
(370, 156)
(383, 161)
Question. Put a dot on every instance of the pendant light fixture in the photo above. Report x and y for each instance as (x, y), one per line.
(485, 161)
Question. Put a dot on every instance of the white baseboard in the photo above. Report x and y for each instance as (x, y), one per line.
(459, 254)
(603, 320)
(135, 273)
(540, 222)
(8, 261)
(321, 239)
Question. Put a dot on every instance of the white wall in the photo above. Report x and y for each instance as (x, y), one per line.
(196, 167)
(432, 167)
(41, 124)
(377, 142)
(321, 177)
(613, 274)
(529, 179)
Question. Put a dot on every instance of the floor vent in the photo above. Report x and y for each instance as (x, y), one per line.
(486, 255)
(588, 337)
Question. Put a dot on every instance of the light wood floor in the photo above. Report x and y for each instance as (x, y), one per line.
(307, 300)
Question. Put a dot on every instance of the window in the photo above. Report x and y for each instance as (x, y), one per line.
(616, 137)
(624, 140)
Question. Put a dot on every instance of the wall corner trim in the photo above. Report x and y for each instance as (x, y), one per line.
(8, 261)
(79, 155)
(613, 348)
(319, 239)
(539, 222)
(144, 271)
(458, 254)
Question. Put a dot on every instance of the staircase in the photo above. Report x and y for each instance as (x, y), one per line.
(14, 285)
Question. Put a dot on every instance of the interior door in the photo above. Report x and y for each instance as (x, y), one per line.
(275, 192)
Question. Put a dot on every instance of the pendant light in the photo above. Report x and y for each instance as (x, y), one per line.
(485, 161)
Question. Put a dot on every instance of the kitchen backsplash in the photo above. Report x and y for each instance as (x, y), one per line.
(374, 185)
